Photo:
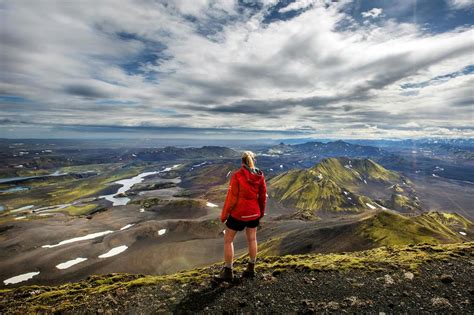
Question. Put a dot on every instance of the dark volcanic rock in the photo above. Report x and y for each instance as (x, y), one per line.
(445, 278)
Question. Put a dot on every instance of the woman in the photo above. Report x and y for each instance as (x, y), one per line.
(243, 208)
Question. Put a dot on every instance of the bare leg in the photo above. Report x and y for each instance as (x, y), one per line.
(229, 246)
(251, 234)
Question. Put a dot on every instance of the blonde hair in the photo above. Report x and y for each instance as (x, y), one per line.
(248, 159)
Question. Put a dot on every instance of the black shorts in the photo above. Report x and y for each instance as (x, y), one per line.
(237, 225)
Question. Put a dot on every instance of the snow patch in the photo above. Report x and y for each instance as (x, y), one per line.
(114, 251)
(345, 192)
(162, 231)
(382, 207)
(20, 278)
(211, 205)
(281, 165)
(434, 175)
(142, 209)
(127, 226)
(462, 233)
(170, 168)
(200, 164)
(365, 181)
(78, 239)
(370, 206)
(70, 263)
(22, 208)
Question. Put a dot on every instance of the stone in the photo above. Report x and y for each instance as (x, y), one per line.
(307, 303)
(440, 302)
(388, 280)
(332, 306)
(409, 275)
(166, 288)
(446, 278)
(121, 291)
(269, 278)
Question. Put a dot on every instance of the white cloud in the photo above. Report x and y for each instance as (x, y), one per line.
(372, 13)
(240, 72)
(298, 5)
(461, 4)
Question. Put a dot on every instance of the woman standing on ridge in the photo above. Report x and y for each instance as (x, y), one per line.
(243, 208)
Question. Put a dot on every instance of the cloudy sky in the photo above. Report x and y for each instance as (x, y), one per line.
(237, 69)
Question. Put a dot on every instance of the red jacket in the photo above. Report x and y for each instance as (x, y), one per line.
(246, 196)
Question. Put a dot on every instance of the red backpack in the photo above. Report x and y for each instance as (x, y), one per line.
(246, 196)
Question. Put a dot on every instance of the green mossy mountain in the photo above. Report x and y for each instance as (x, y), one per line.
(337, 184)
(346, 171)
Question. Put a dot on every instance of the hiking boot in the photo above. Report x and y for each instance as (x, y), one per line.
(227, 274)
(250, 271)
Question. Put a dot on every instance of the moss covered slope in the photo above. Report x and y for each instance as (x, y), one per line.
(389, 228)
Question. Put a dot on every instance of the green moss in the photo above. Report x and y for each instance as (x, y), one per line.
(397, 189)
(450, 219)
(98, 168)
(403, 203)
(388, 228)
(79, 210)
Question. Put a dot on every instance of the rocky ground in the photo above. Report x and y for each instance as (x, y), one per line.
(408, 279)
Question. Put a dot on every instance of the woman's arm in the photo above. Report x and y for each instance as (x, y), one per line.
(231, 199)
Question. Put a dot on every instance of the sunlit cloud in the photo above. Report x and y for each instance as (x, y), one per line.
(321, 68)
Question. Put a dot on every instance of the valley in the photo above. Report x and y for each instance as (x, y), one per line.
(75, 213)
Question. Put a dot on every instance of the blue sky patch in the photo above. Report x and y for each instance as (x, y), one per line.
(439, 79)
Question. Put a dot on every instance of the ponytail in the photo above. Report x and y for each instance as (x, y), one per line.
(248, 159)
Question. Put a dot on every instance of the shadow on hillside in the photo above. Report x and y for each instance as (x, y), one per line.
(197, 301)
